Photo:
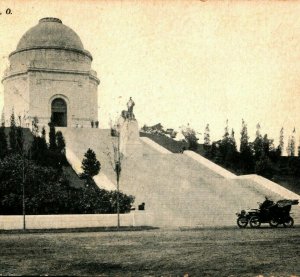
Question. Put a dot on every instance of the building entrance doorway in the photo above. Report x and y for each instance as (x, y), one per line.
(59, 112)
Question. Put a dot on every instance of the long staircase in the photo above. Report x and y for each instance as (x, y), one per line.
(176, 190)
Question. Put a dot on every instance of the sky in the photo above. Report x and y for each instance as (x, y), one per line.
(196, 62)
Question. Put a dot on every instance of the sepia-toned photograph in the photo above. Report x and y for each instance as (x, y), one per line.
(150, 138)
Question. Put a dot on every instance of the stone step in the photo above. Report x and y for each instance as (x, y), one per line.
(176, 189)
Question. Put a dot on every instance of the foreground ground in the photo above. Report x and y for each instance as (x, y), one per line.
(202, 252)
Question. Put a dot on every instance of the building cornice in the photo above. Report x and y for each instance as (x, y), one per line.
(48, 70)
(84, 52)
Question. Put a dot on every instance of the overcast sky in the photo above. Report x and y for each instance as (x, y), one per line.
(183, 61)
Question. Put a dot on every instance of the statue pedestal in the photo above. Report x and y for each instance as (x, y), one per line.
(130, 144)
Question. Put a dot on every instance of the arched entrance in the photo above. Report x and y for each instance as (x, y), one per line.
(59, 112)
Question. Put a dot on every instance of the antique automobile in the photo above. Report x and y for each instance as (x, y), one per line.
(269, 212)
(244, 217)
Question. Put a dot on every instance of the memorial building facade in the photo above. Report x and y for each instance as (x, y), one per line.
(50, 76)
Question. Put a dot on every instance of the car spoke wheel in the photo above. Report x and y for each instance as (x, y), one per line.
(289, 222)
(242, 222)
(255, 222)
(273, 223)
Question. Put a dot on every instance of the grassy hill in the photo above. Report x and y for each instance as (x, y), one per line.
(169, 143)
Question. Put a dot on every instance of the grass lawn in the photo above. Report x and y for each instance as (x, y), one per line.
(202, 252)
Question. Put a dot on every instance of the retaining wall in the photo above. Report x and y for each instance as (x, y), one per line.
(272, 186)
(14, 222)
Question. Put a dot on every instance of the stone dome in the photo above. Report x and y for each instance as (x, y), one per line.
(50, 33)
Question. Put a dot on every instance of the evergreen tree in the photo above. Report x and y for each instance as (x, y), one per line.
(2, 119)
(3, 142)
(268, 145)
(206, 144)
(60, 142)
(246, 158)
(52, 137)
(226, 133)
(273, 153)
(20, 139)
(39, 149)
(90, 165)
(244, 137)
(291, 148)
(281, 141)
(258, 144)
(233, 139)
(288, 148)
(231, 153)
(224, 145)
(12, 133)
(264, 166)
(293, 144)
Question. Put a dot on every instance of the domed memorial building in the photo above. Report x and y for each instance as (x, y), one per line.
(50, 75)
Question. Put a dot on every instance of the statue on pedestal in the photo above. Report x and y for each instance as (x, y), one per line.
(126, 128)
(130, 105)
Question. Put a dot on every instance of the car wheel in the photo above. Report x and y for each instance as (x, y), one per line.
(242, 221)
(289, 222)
(273, 223)
(255, 222)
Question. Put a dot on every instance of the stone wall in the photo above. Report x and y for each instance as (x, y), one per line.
(15, 94)
(15, 222)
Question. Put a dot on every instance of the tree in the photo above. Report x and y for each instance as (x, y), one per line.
(12, 133)
(226, 133)
(224, 145)
(228, 151)
(206, 144)
(231, 154)
(60, 142)
(90, 165)
(244, 137)
(52, 137)
(270, 150)
(144, 128)
(2, 119)
(293, 143)
(264, 167)
(281, 141)
(294, 166)
(268, 145)
(48, 191)
(20, 139)
(288, 148)
(291, 148)
(191, 138)
(39, 150)
(246, 158)
(3, 143)
(233, 139)
(258, 144)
